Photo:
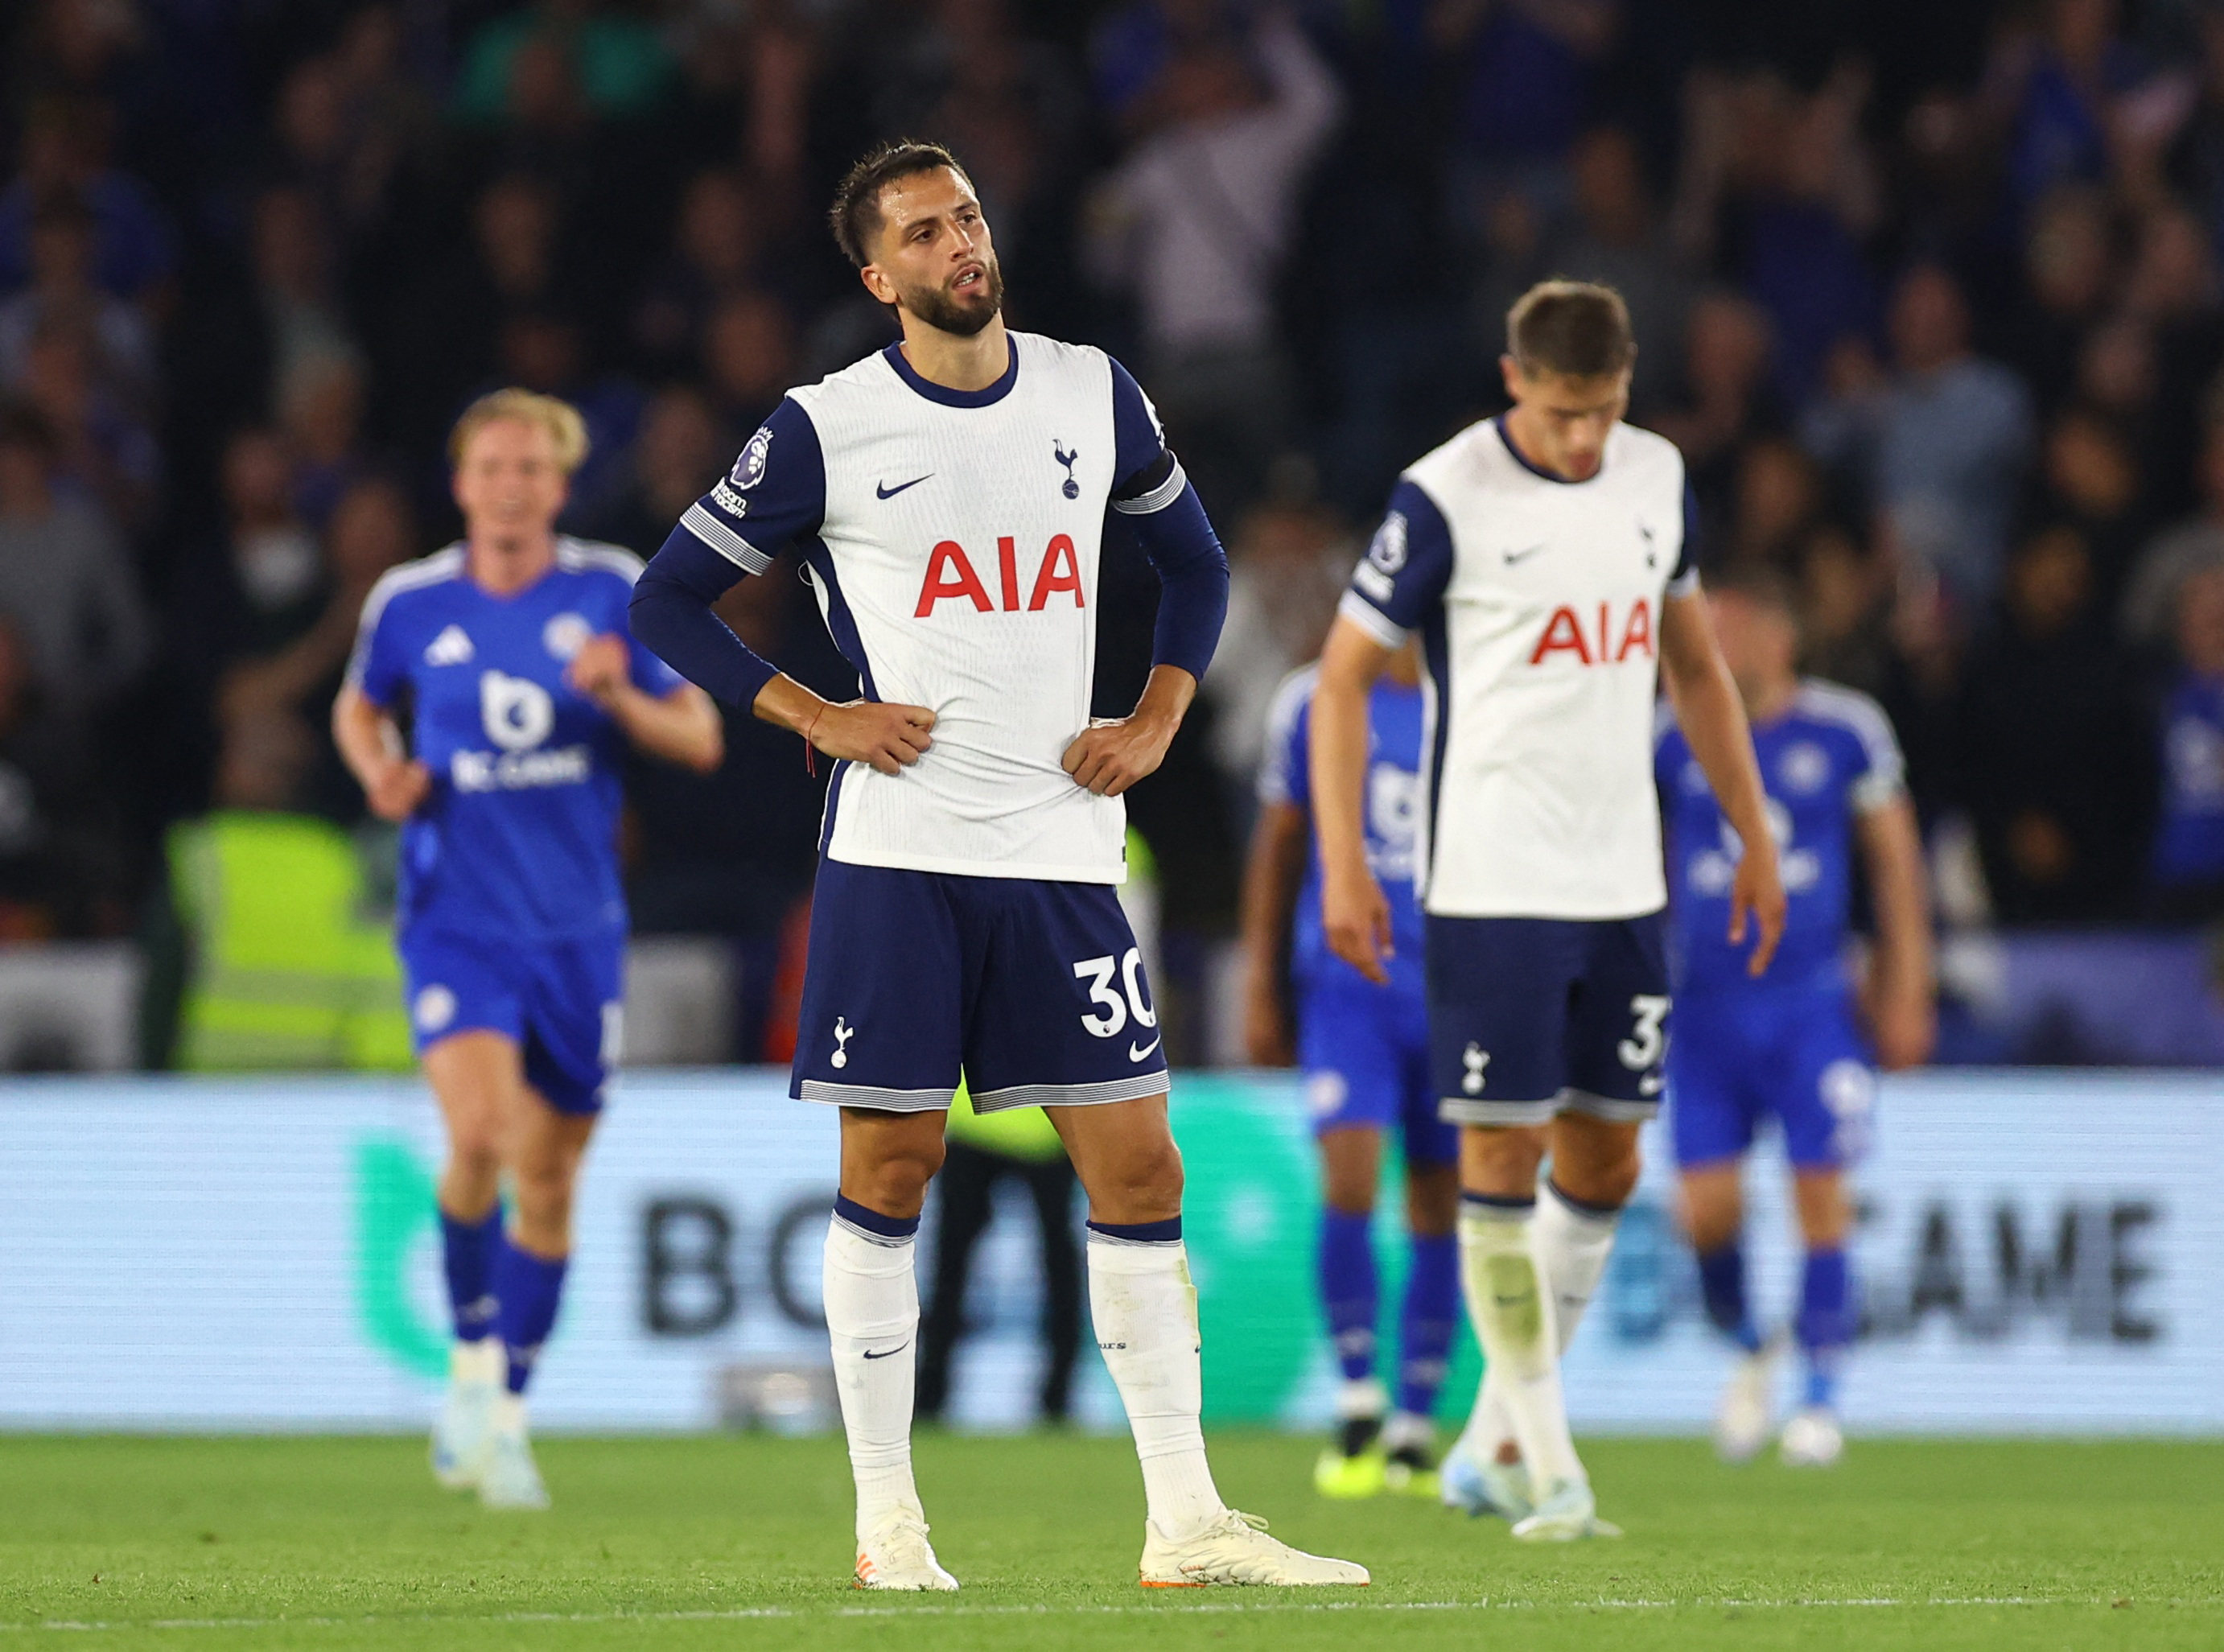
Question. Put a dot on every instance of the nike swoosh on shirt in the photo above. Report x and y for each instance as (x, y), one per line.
(1135, 1054)
(886, 1352)
(1512, 557)
(883, 490)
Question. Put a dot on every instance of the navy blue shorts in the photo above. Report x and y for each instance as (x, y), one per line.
(1365, 1052)
(1033, 990)
(562, 1002)
(1793, 1055)
(1529, 1017)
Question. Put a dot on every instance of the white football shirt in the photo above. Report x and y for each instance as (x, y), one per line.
(953, 538)
(1539, 603)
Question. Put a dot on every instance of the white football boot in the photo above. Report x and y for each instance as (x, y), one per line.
(1565, 1514)
(895, 1554)
(463, 1435)
(1811, 1440)
(1475, 1487)
(1234, 1549)
(511, 1479)
(1745, 1416)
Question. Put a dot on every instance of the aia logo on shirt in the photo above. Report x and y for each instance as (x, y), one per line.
(951, 576)
(1599, 639)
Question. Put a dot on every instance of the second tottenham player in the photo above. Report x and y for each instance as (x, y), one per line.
(948, 495)
(1544, 558)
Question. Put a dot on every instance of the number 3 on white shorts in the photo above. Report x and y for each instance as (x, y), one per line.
(1647, 1042)
(1098, 973)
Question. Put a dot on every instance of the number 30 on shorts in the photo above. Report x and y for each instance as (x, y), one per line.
(1116, 1009)
(1648, 1040)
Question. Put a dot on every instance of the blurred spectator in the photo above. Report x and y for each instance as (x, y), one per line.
(718, 246)
(62, 295)
(65, 585)
(2068, 82)
(1614, 238)
(1725, 399)
(2053, 747)
(320, 410)
(1527, 74)
(299, 674)
(1843, 603)
(1289, 564)
(58, 857)
(1197, 222)
(2151, 596)
(1779, 493)
(271, 553)
(296, 286)
(65, 155)
(2091, 479)
(545, 351)
(748, 357)
(102, 452)
(1944, 444)
(2070, 276)
(2189, 855)
(680, 451)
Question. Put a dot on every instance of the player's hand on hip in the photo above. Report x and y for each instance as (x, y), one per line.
(395, 790)
(889, 737)
(1355, 914)
(600, 668)
(1757, 901)
(1109, 756)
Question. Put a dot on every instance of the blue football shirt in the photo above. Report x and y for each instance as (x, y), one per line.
(518, 840)
(1826, 761)
(2189, 842)
(1395, 717)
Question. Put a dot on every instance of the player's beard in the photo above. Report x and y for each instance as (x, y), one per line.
(941, 308)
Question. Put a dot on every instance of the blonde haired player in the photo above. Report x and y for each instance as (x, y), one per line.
(1544, 559)
(507, 655)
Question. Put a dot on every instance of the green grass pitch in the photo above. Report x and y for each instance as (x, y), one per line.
(743, 1541)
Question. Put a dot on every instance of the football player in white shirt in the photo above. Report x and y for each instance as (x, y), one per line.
(1544, 559)
(947, 497)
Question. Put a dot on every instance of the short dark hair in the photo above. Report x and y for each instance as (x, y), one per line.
(855, 216)
(1578, 329)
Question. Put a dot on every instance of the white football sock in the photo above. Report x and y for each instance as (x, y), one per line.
(1514, 1321)
(1145, 1309)
(872, 1319)
(1572, 1247)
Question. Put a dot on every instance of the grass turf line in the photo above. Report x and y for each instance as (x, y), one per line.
(737, 1541)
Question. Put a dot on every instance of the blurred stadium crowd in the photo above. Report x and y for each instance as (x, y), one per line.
(1928, 293)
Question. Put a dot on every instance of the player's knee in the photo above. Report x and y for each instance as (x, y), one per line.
(1146, 1184)
(1501, 1161)
(895, 1183)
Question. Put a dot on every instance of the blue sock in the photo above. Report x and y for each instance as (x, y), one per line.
(467, 1253)
(1826, 1323)
(1349, 1290)
(1427, 1321)
(1721, 1282)
(527, 1288)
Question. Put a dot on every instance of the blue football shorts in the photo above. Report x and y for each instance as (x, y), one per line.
(1529, 1017)
(1744, 1055)
(1364, 1050)
(1033, 990)
(562, 1002)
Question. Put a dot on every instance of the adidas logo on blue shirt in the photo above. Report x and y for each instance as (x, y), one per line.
(451, 648)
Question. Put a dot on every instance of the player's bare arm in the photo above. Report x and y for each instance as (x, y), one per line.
(889, 738)
(1107, 758)
(1272, 876)
(394, 783)
(1900, 995)
(1354, 913)
(680, 727)
(1712, 716)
